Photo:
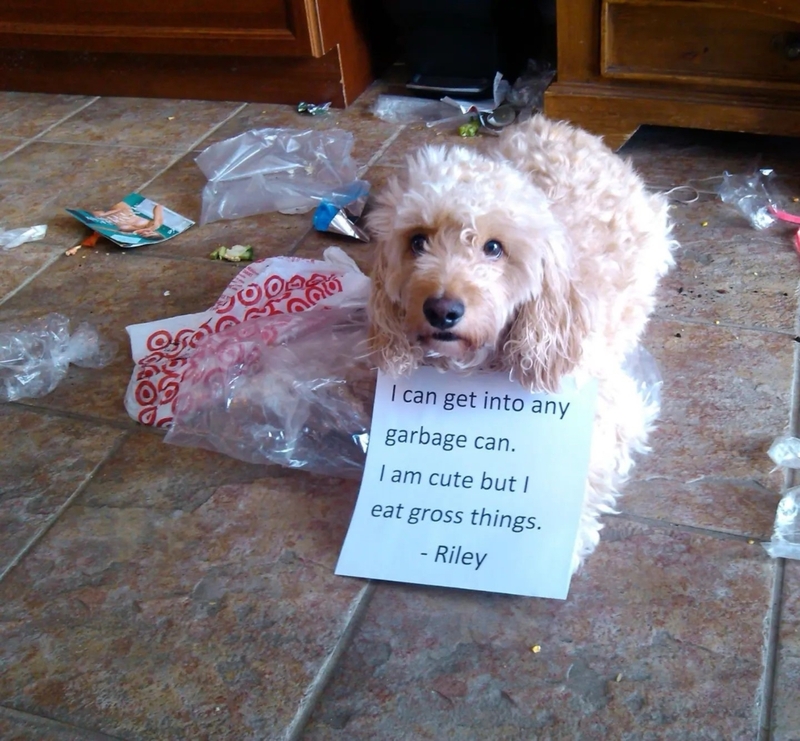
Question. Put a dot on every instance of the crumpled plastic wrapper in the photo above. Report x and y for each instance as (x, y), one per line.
(15, 237)
(35, 356)
(264, 170)
(339, 213)
(785, 541)
(750, 195)
(305, 403)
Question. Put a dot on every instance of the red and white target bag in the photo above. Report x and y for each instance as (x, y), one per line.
(272, 287)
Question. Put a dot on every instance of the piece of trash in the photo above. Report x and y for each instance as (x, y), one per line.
(536, 649)
(760, 199)
(330, 218)
(312, 109)
(527, 92)
(403, 109)
(618, 678)
(16, 237)
(703, 223)
(133, 222)
(272, 287)
(339, 214)
(237, 253)
(471, 128)
(785, 541)
(286, 170)
(35, 356)
(295, 390)
(166, 293)
(90, 241)
(785, 451)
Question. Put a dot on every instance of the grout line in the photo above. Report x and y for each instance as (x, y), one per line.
(773, 619)
(381, 150)
(32, 277)
(47, 725)
(128, 425)
(667, 524)
(113, 145)
(771, 635)
(181, 154)
(41, 532)
(721, 325)
(315, 688)
(50, 128)
(299, 241)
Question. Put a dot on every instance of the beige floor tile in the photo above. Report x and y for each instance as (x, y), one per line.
(652, 652)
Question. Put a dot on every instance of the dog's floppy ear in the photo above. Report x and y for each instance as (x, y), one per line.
(545, 340)
(388, 343)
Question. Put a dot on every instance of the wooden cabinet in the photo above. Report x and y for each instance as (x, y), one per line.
(717, 64)
(265, 50)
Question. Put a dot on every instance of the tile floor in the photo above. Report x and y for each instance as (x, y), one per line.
(153, 592)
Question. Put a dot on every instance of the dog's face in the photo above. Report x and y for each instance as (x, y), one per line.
(457, 281)
(465, 244)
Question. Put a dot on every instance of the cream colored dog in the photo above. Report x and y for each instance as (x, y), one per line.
(542, 258)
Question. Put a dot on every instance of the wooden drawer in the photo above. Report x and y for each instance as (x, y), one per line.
(698, 42)
(234, 27)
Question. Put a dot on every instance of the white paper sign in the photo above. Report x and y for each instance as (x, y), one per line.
(472, 482)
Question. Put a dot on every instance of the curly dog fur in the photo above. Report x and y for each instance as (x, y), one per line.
(540, 257)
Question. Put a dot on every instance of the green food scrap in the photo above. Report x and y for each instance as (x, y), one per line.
(470, 128)
(237, 253)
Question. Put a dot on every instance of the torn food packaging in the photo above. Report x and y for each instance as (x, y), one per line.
(330, 218)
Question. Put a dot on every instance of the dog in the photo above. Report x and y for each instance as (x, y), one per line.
(540, 257)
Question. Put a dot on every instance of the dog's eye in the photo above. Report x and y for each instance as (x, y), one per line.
(418, 243)
(493, 248)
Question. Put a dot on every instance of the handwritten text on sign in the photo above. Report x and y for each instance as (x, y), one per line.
(471, 482)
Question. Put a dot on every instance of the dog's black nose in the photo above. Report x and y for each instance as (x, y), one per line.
(443, 313)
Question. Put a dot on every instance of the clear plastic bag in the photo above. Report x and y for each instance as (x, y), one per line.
(759, 197)
(785, 451)
(527, 93)
(266, 170)
(304, 403)
(785, 542)
(403, 109)
(34, 357)
(15, 237)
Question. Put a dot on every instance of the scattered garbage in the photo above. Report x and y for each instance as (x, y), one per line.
(273, 287)
(263, 170)
(404, 109)
(750, 195)
(313, 109)
(304, 402)
(761, 200)
(133, 222)
(471, 128)
(509, 103)
(785, 542)
(237, 253)
(331, 218)
(339, 214)
(16, 237)
(35, 356)
(87, 242)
